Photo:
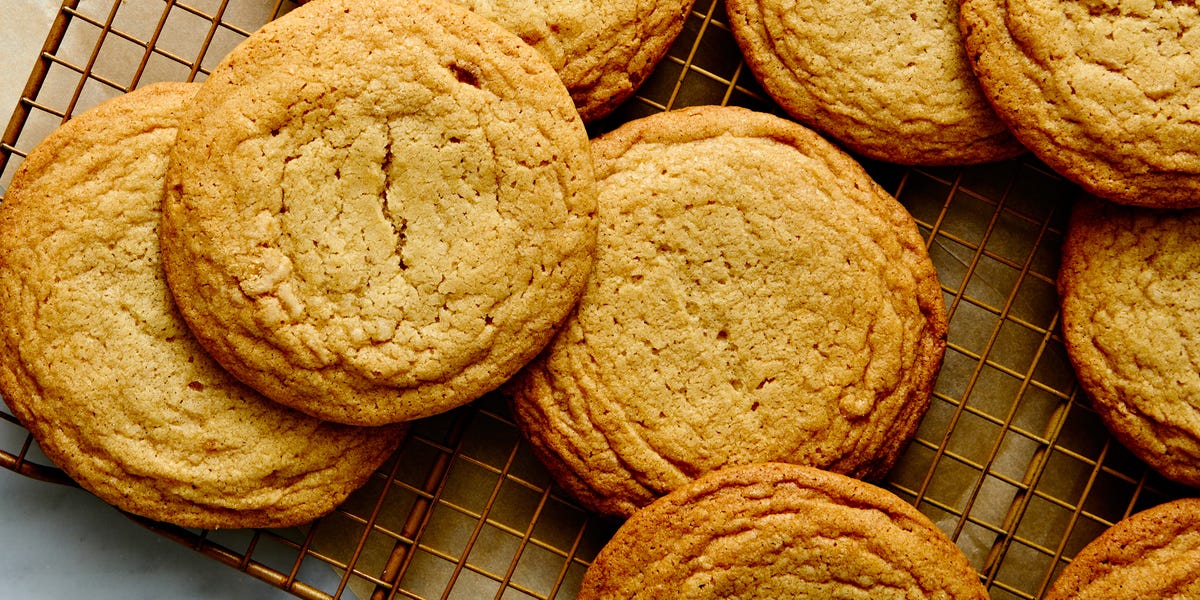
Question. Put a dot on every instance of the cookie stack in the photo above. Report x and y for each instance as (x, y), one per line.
(1106, 93)
(602, 49)
(1109, 96)
(760, 332)
(887, 80)
(377, 213)
(223, 300)
(97, 363)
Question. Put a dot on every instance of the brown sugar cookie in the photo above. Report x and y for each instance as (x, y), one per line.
(889, 80)
(756, 296)
(770, 531)
(1131, 322)
(98, 365)
(379, 210)
(602, 49)
(1150, 554)
(1105, 93)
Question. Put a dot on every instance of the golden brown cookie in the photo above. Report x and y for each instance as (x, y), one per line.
(1131, 322)
(98, 365)
(379, 210)
(1151, 554)
(887, 79)
(1105, 93)
(756, 296)
(602, 49)
(770, 531)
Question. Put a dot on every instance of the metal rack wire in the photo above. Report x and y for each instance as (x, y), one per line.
(1010, 460)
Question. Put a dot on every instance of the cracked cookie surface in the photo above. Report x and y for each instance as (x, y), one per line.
(780, 531)
(888, 79)
(602, 49)
(755, 296)
(1106, 92)
(379, 210)
(1130, 300)
(1150, 554)
(100, 367)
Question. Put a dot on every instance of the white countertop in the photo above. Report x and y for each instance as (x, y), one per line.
(61, 542)
(27, 22)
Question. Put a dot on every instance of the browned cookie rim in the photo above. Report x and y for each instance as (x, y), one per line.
(664, 549)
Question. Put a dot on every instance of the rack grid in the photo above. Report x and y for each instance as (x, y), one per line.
(1010, 460)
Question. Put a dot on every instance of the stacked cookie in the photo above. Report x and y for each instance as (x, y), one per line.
(222, 300)
(602, 49)
(1106, 93)
(755, 297)
(97, 363)
(760, 332)
(888, 80)
(1108, 97)
(377, 213)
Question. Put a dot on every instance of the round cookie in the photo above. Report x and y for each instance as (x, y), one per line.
(1131, 323)
(98, 365)
(602, 49)
(379, 210)
(1151, 554)
(755, 296)
(887, 79)
(780, 531)
(1105, 93)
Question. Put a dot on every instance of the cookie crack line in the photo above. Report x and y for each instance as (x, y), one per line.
(398, 228)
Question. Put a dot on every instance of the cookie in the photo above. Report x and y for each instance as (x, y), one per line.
(1131, 325)
(889, 80)
(1151, 554)
(1105, 93)
(96, 362)
(780, 531)
(377, 211)
(602, 49)
(755, 297)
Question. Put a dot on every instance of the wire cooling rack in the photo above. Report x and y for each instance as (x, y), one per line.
(1010, 460)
